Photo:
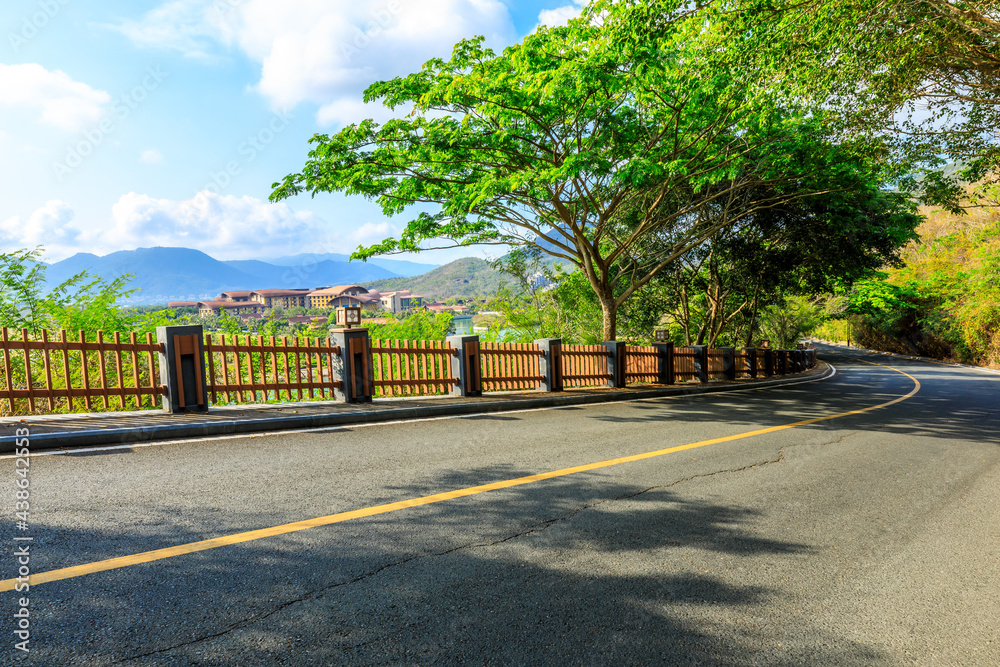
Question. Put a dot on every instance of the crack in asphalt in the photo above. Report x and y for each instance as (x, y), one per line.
(535, 528)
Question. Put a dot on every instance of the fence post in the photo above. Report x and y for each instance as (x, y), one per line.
(182, 368)
(617, 363)
(550, 365)
(782, 359)
(728, 362)
(353, 367)
(467, 366)
(664, 363)
(701, 362)
(768, 363)
(751, 360)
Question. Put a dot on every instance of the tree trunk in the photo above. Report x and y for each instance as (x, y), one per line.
(609, 310)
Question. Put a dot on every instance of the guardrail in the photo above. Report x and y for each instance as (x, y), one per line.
(510, 366)
(195, 370)
(73, 374)
(259, 371)
(411, 367)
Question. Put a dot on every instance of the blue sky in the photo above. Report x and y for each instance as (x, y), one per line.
(135, 124)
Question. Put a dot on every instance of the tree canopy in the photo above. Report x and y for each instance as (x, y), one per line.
(598, 144)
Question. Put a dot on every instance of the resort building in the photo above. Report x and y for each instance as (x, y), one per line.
(281, 298)
(397, 302)
(238, 296)
(342, 295)
(210, 308)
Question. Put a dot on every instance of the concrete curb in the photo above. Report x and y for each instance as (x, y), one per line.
(448, 407)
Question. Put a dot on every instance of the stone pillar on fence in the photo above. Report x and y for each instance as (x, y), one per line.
(353, 367)
(728, 362)
(550, 366)
(768, 363)
(467, 366)
(664, 363)
(800, 361)
(617, 363)
(750, 358)
(182, 368)
(701, 362)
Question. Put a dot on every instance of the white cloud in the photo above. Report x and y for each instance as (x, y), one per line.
(151, 156)
(179, 25)
(560, 15)
(324, 51)
(224, 226)
(62, 102)
(48, 226)
(373, 232)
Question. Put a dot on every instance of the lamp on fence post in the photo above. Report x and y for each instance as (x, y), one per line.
(182, 368)
(349, 316)
(353, 367)
(467, 366)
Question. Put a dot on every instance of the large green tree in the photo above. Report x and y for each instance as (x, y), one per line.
(920, 75)
(811, 246)
(598, 145)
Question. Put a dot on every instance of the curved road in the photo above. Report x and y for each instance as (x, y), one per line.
(869, 538)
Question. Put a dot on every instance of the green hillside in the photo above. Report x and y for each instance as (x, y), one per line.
(464, 278)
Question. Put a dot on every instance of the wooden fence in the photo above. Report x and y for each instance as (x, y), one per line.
(510, 366)
(585, 365)
(265, 370)
(716, 364)
(742, 361)
(412, 367)
(684, 369)
(43, 374)
(642, 364)
(72, 374)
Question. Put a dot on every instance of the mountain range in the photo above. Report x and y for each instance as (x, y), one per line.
(183, 274)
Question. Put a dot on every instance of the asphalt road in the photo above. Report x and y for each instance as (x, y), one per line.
(871, 538)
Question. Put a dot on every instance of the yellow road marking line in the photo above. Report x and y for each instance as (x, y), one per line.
(283, 529)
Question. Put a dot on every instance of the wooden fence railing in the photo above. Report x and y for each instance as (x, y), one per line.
(46, 373)
(641, 364)
(265, 370)
(408, 367)
(510, 366)
(741, 364)
(716, 365)
(67, 374)
(684, 368)
(584, 365)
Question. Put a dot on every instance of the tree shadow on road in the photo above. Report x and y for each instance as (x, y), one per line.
(574, 571)
(951, 404)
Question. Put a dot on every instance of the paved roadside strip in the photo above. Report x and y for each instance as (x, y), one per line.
(62, 431)
(906, 357)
